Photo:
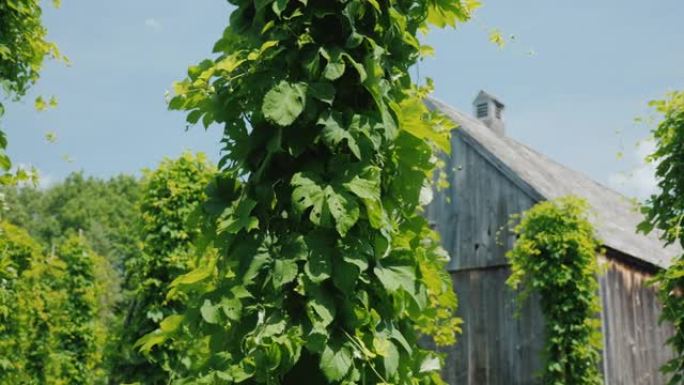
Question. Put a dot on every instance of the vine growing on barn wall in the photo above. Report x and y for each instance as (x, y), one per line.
(555, 258)
(169, 195)
(326, 271)
(665, 211)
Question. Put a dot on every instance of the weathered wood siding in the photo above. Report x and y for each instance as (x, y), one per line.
(473, 212)
(634, 342)
(499, 348)
(496, 347)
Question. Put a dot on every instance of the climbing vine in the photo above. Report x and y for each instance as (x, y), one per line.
(555, 258)
(78, 330)
(23, 47)
(51, 330)
(169, 195)
(665, 211)
(326, 271)
(19, 254)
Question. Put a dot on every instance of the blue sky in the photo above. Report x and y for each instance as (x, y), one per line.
(573, 79)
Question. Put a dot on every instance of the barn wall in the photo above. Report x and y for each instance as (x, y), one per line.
(472, 212)
(496, 347)
(472, 216)
(634, 343)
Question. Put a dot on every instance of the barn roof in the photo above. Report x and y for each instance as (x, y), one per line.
(614, 216)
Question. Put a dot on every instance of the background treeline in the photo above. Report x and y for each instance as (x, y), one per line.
(84, 270)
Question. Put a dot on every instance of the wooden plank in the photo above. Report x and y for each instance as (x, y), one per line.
(633, 339)
(473, 213)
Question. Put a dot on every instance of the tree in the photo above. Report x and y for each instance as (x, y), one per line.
(325, 270)
(100, 212)
(169, 195)
(105, 211)
(22, 50)
(665, 211)
(555, 258)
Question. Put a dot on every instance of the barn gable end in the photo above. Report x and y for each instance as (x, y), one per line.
(493, 177)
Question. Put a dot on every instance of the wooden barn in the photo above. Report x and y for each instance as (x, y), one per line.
(492, 177)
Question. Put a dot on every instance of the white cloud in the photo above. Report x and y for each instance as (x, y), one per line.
(153, 24)
(640, 181)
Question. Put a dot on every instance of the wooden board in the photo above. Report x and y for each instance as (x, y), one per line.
(472, 214)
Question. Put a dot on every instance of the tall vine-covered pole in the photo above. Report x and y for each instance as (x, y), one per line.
(326, 271)
(555, 258)
(168, 195)
(79, 331)
(665, 212)
(23, 271)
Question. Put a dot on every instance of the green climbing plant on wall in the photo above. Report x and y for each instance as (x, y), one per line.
(555, 258)
(325, 269)
(664, 211)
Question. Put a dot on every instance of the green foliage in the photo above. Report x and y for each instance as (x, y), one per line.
(50, 307)
(555, 258)
(325, 270)
(22, 44)
(79, 331)
(22, 50)
(665, 212)
(19, 255)
(105, 211)
(169, 195)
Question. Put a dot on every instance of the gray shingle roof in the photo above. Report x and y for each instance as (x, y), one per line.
(614, 216)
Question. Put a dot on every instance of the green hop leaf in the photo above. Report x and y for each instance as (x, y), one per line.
(395, 276)
(336, 362)
(284, 103)
(210, 312)
(284, 272)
